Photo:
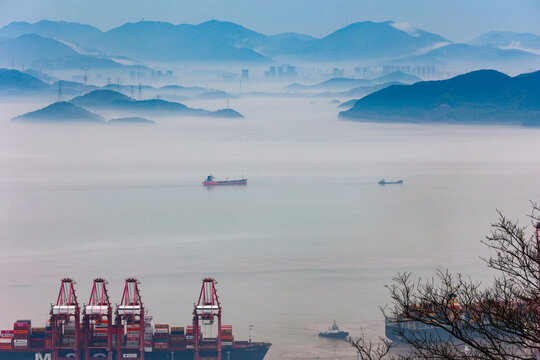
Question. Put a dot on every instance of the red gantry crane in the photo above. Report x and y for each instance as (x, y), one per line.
(65, 322)
(97, 321)
(205, 311)
(130, 313)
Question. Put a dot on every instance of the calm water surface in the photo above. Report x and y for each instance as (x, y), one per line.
(311, 239)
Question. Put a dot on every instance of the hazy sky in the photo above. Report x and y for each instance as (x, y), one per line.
(458, 20)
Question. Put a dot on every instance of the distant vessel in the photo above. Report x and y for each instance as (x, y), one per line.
(334, 332)
(384, 182)
(211, 181)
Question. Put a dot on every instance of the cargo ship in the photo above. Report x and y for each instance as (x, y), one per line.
(384, 182)
(211, 181)
(334, 332)
(94, 331)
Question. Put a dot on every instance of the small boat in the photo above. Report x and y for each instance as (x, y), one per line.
(384, 182)
(334, 332)
(211, 181)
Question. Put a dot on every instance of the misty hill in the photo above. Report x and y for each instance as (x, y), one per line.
(71, 88)
(484, 96)
(14, 82)
(186, 91)
(215, 95)
(371, 40)
(360, 91)
(69, 31)
(463, 55)
(114, 101)
(41, 52)
(510, 40)
(347, 104)
(100, 99)
(332, 84)
(60, 112)
(397, 76)
(164, 42)
(131, 120)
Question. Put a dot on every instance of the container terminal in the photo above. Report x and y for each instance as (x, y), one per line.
(94, 331)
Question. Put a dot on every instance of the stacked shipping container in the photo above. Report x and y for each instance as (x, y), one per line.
(148, 333)
(38, 337)
(161, 336)
(133, 335)
(48, 335)
(226, 335)
(6, 339)
(68, 335)
(23, 336)
(190, 337)
(99, 334)
(22, 329)
(177, 337)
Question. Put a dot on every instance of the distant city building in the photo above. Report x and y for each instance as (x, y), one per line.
(229, 76)
(361, 70)
(245, 74)
(338, 72)
(284, 71)
(291, 71)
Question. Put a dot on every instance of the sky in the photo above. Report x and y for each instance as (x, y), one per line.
(457, 20)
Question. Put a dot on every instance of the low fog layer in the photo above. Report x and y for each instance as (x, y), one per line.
(311, 225)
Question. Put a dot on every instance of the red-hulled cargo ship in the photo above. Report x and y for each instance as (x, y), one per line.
(211, 181)
(94, 332)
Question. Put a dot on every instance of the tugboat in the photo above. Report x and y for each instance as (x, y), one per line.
(211, 181)
(334, 332)
(384, 182)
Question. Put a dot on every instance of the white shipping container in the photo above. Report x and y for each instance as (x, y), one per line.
(161, 331)
(20, 341)
(5, 340)
(129, 356)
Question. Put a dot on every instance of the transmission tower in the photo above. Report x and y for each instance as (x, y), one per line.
(60, 95)
(85, 75)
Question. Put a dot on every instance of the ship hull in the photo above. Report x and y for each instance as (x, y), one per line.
(398, 331)
(225, 182)
(251, 352)
(342, 335)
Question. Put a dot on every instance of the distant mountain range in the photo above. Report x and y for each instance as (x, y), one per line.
(68, 31)
(59, 45)
(37, 51)
(331, 84)
(131, 120)
(510, 40)
(473, 56)
(484, 96)
(214, 41)
(355, 87)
